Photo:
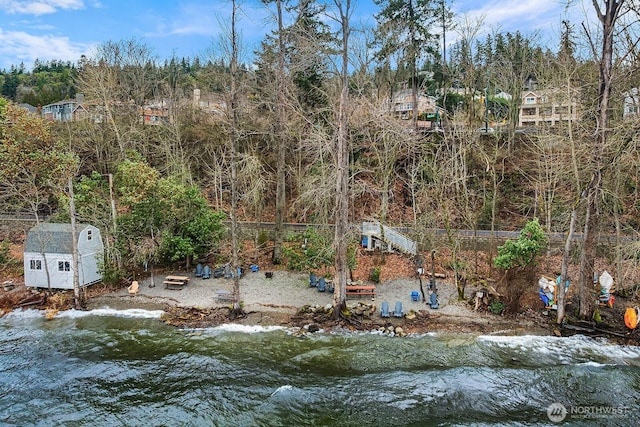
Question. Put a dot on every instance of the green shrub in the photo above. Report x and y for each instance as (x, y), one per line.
(496, 307)
(522, 252)
(4, 253)
(263, 238)
(375, 275)
(307, 251)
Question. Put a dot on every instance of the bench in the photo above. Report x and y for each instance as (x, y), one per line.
(359, 290)
(174, 284)
(224, 295)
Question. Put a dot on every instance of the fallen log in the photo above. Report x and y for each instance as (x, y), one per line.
(30, 302)
(590, 329)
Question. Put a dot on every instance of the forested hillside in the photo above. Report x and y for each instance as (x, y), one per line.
(266, 135)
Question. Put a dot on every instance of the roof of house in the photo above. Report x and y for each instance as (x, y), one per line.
(30, 108)
(51, 237)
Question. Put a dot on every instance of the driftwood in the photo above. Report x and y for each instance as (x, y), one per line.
(28, 302)
(436, 275)
(588, 328)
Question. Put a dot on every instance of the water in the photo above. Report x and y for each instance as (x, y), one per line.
(126, 368)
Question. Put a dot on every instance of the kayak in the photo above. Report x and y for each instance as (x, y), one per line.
(631, 317)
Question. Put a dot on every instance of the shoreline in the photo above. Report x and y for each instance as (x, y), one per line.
(286, 299)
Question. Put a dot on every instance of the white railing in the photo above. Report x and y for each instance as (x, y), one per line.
(390, 236)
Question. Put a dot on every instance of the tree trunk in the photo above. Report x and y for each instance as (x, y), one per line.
(282, 145)
(565, 267)
(340, 240)
(74, 245)
(233, 146)
(593, 191)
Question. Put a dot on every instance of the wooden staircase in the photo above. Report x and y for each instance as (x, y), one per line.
(377, 234)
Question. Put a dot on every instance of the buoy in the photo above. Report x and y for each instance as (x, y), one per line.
(631, 317)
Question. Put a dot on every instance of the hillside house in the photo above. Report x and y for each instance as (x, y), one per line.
(48, 255)
(68, 110)
(429, 113)
(156, 112)
(546, 107)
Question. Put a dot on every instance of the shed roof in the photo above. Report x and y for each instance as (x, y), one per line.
(52, 237)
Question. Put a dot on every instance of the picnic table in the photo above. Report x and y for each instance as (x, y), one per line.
(175, 282)
(360, 290)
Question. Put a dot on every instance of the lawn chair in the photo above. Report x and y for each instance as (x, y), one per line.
(218, 272)
(433, 301)
(313, 280)
(133, 287)
(415, 296)
(206, 272)
(384, 309)
(321, 285)
(199, 270)
(398, 311)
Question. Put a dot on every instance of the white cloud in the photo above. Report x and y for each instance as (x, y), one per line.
(41, 7)
(524, 14)
(18, 46)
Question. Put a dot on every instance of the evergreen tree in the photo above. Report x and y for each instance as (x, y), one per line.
(405, 27)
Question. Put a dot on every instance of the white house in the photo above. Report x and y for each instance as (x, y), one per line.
(49, 247)
(547, 107)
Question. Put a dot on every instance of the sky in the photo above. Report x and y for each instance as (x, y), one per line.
(67, 29)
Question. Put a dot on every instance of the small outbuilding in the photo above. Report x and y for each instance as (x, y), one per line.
(48, 256)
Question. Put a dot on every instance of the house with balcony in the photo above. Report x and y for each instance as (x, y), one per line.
(68, 110)
(429, 114)
(547, 107)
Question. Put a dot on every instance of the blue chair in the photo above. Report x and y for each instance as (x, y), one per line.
(398, 311)
(199, 270)
(415, 296)
(254, 268)
(313, 280)
(206, 272)
(321, 285)
(384, 309)
(433, 301)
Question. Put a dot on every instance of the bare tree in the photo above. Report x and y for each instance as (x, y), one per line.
(609, 13)
(233, 115)
(118, 80)
(341, 237)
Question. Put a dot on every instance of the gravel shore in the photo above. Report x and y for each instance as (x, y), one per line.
(284, 292)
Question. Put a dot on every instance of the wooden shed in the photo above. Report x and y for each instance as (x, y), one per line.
(48, 255)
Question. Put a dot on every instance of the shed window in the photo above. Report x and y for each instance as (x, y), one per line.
(35, 264)
(64, 266)
(89, 235)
